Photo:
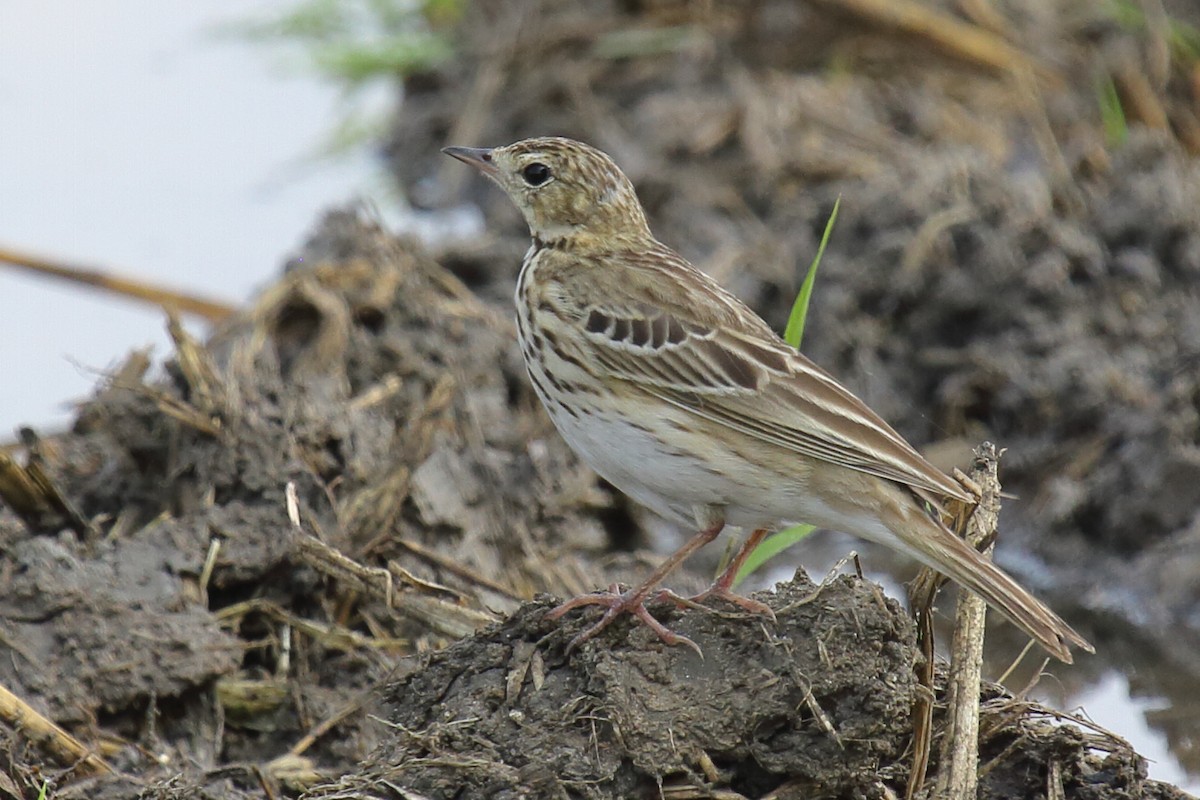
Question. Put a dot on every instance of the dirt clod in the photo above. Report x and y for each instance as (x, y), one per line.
(514, 716)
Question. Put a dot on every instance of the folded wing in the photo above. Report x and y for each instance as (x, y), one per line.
(729, 368)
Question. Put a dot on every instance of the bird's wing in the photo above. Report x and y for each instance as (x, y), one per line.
(678, 335)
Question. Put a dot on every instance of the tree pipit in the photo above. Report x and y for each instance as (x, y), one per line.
(682, 397)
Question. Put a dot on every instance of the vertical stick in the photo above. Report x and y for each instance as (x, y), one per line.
(958, 774)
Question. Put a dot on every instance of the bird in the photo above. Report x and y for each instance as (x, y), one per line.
(679, 395)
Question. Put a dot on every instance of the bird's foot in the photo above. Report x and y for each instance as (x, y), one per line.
(720, 592)
(722, 587)
(617, 603)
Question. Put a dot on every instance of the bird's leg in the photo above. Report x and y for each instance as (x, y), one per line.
(633, 601)
(721, 587)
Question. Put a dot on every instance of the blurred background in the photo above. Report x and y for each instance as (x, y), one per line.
(158, 142)
(1017, 256)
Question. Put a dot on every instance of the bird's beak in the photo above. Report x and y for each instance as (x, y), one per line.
(478, 157)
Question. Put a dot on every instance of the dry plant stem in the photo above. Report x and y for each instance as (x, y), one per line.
(958, 776)
(1138, 98)
(921, 594)
(208, 392)
(922, 716)
(329, 723)
(371, 581)
(443, 616)
(32, 495)
(211, 310)
(65, 747)
(985, 16)
(443, 562)
(975, 525)
(955, 37)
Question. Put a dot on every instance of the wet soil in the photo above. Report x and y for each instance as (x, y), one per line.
(159, 602)
(206, 646)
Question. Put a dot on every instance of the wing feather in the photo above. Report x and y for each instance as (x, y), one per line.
(676, 334)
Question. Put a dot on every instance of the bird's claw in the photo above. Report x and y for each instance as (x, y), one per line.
(617, 603)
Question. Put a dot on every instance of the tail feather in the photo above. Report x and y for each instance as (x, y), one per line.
(937, 547)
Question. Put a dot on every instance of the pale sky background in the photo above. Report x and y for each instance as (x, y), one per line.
(135, 138)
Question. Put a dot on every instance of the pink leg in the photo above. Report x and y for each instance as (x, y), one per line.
(633, 601)
(721, 586)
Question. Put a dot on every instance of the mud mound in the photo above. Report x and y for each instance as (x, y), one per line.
(817, 706)
(375, 384)
(254, 563)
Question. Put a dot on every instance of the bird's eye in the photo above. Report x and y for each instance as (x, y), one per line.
(536, 174)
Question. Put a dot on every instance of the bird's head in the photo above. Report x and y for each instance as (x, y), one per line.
(567, 190)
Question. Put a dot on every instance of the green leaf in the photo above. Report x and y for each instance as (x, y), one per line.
(772, 546)
(794, 332)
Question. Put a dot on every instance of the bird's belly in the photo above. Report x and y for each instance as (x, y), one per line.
(632, 455)
(663, 461)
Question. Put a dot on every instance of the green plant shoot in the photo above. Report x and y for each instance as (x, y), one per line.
(793, 333)
(1116, 129)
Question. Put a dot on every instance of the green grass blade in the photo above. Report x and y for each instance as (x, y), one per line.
(772, 546)
(794, 331)
(1116, 129)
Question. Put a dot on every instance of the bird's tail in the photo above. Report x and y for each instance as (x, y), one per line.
(934, 545)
